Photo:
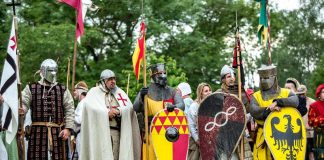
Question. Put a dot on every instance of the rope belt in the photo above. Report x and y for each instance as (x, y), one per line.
(49, 125)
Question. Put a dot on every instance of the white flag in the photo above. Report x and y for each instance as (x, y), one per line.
(9, 89)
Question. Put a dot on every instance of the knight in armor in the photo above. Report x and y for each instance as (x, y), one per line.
(269, 98)
(158, 94)
(203, 90)
(229, 86)
(316, 120)
(79, 93)
(52, 114)
(109, 123)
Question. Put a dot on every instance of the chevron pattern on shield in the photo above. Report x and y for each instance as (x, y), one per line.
(175, 148)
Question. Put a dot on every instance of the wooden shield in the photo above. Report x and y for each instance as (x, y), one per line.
(285, 134)
(170, 135)
(221, 123)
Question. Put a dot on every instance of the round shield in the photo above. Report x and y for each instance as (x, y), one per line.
(221, 123)
(170, 135)
(285, 134)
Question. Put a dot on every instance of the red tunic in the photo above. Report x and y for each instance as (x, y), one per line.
(316, 114)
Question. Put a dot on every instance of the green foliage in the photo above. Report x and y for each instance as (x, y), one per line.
(317, 77)
(175, 74)
(194, 39)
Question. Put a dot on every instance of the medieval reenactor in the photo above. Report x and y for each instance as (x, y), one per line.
(52, 114)
(316, 120)
(229, 86)
(269, 98)
(79, 93)
(203, 90)
(158, 94)
(293, 85)
(110, 123)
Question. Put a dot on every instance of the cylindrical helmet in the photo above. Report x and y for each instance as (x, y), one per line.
(158, 74)
(106, 74)
(268, 77)
(48, 70)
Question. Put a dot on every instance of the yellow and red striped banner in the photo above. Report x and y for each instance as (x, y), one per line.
(139, 52)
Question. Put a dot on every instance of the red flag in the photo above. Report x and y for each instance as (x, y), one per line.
(139, 52)
(77, 5)
(237, 53)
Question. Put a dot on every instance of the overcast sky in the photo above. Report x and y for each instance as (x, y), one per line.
(286, 4)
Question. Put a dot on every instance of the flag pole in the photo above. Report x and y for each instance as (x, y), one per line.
(238, 58)
(21, 113)
(74, 62)
(21, 131)
(268, 40)
(145, 97)
(68, 74)
(145, 106)
(127, 84)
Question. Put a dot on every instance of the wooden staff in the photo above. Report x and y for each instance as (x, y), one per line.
(146, 109)
(21, 131)
(238, 58)
(127, 84)
(68, 74)
(74, 62)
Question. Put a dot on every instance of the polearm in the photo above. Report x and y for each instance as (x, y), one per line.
(21, 131)
(238, 58)
(145, 105)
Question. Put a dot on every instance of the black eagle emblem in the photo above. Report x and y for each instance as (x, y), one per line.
(287, 141)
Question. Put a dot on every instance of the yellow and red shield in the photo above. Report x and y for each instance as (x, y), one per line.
(170, 135)
(285, 134)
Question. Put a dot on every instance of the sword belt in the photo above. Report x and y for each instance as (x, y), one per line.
(49, 125)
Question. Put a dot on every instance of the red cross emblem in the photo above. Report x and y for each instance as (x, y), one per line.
(14, 45)
(121, 99)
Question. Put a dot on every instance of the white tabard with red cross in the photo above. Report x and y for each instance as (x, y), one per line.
(122, 98)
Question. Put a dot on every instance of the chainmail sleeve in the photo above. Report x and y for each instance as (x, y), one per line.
(291, 101)
(178, 101)
(138, 103)
(68, 104)
(255, 110)
(26, 98)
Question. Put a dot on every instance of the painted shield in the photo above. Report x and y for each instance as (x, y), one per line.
(170, 135)
(285, 134)
(221, 123)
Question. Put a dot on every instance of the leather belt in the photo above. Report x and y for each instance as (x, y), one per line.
(114, 128)
(49, 125)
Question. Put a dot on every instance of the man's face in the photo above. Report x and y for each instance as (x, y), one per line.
(291, 86)
(321, 96)
(110, 83)
(229, 79)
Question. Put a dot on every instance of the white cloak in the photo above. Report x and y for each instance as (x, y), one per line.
(96, 139)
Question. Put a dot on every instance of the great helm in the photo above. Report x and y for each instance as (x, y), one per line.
(48, 70)
(158, 74)
(268, 77)
(106, 74)
(226, 70)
